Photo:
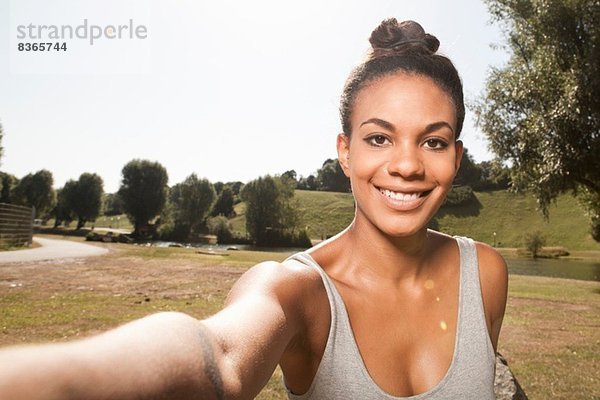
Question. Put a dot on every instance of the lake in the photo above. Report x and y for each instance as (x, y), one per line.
(571, 269)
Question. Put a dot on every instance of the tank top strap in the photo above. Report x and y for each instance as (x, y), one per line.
(332, 293)
(474, 341)
(340, 334)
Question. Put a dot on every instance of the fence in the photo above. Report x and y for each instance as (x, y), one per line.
(16, 225)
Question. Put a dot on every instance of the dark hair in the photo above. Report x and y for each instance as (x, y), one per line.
(403, 47)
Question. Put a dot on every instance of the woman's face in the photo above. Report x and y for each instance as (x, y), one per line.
(402, 155)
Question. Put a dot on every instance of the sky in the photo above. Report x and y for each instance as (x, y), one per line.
(229, 90)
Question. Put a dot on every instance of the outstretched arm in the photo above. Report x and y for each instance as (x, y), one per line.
(167, 355)
(160, 354)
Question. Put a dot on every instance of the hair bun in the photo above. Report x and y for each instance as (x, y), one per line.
(391, 37)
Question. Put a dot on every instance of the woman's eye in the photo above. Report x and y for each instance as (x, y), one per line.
(377, 140)
(436, 144)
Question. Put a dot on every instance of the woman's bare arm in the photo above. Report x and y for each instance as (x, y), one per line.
(493, 275)
(168, 355)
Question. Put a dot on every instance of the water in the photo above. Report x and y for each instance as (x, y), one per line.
(225, 247)
(571, 269)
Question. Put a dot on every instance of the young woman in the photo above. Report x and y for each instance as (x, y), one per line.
(386, 309)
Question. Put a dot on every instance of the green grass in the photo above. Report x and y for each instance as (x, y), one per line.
(325, 213)
(238, 223)
(509, 215)
(234, 258)
(551, 338)
(114, 222)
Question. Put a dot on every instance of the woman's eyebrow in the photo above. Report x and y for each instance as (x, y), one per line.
(436, 126)
(382, 123)
(390, 127)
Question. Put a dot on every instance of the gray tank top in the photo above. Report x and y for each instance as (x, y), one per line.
(343, 375)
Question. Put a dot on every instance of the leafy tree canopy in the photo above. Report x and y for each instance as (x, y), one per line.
(35, 190)
(332, 178)
(224, 204)
(8, 183)
(541, 111)
(63, 210)
(143, 191)
(113, 204)
(87, 201)
(192, 200)
(469, 173)
(269, 208)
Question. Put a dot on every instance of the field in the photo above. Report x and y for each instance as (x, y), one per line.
(509, 215)
(550, 336)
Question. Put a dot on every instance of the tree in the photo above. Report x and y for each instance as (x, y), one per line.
(218, 187)
(469, 173)
(269, 211)
(113, 204)
(192, 200)
(541, 111)
(534, 241)
(35, 190)
(224, 204)
(63, 210)
(332, 178)
(236, 187)
(220, 227)
(308, 183)
(8, 183)
(143, 190)
(86, 200)
(494, 175)
(290, 174)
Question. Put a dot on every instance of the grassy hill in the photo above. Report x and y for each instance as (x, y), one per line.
(509, 215)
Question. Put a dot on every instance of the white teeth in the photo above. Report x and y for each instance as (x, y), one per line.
(400, 196)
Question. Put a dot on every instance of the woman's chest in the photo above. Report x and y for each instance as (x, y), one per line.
(406, 342)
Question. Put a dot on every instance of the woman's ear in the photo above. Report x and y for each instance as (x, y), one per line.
(343, 150)
(458, 145)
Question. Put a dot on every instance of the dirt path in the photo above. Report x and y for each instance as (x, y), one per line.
(51, 249)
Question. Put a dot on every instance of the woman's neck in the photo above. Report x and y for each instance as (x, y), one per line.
(367, 252)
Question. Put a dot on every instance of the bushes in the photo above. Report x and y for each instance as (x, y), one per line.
(220, 227)
(460, 196)
(534, 241)
(285, 238)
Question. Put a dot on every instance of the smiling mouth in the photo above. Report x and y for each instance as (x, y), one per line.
(401, 196)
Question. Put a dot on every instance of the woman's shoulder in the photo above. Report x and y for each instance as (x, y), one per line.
(289, 275)
(490, 261)
(492, 267)
(285, 282)
(493, 273)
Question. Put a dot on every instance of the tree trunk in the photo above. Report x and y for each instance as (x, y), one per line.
(80, 223)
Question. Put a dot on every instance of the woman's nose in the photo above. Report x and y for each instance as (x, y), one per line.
(405, 161)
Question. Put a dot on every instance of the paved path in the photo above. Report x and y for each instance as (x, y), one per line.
(52, 249)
